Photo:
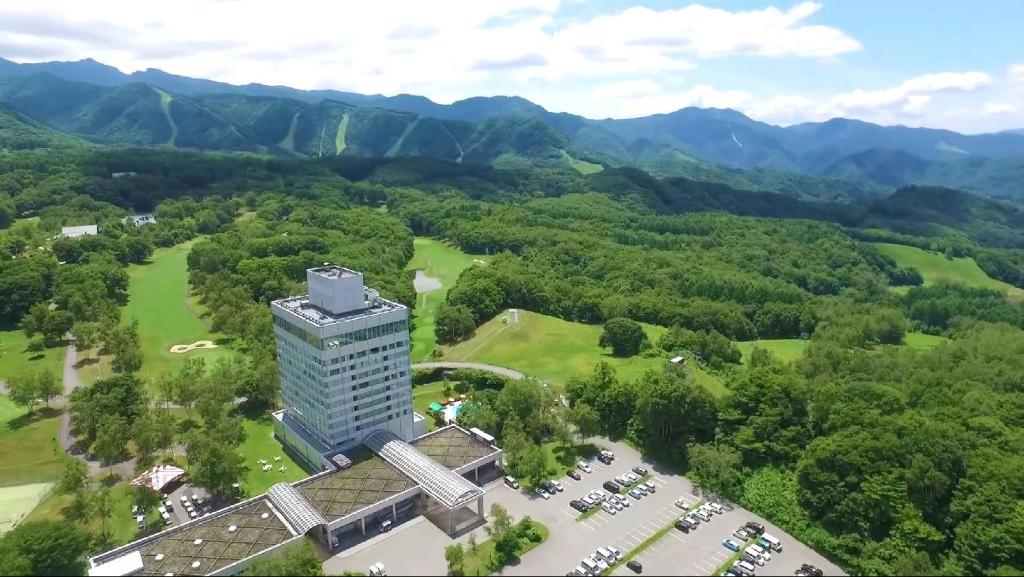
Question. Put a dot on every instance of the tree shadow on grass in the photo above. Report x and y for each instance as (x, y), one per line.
(110, 479)
(86, 362)
(35, 416)
(568, 457)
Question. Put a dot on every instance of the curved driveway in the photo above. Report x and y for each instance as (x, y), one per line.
(501, 371)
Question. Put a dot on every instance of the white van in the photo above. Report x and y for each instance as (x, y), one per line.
(761, 552)
(590, 566)
(750, 568)
(775, 543)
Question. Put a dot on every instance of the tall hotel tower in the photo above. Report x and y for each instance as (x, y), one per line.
(343, 355)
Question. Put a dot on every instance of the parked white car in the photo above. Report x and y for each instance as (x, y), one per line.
(608, 508)
(583, 466)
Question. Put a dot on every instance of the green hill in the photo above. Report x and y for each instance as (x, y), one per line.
(936, 268)
(18, 132)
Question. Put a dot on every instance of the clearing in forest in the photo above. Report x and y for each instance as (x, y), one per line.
(158, 294)
(442, 262)
(548, 348)
(935, 267)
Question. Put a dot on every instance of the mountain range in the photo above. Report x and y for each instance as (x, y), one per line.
(839, 159)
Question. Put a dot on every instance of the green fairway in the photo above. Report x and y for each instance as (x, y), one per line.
(16, 359)
(28, 448)
(786, 350)
(444, 262)
(935, 267)
(261, 444)
(548, 348)
(158, 296)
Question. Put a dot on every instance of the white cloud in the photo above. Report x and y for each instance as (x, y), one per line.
(911, 96)
(1016, 77)
(389, 46)
(998, 108)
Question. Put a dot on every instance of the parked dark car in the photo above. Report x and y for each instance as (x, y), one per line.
(549, 487)
(757, 528)
(604, 459)
(612, 486)
(635, 566)
(640, 471)
(683, 525)
(580, 506)
(574, 474)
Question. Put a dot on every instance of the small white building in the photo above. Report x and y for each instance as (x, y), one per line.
(77, 231)
(121, 174)
(139, 219)
(678, 361)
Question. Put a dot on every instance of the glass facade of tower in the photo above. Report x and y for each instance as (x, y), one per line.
(345, 372)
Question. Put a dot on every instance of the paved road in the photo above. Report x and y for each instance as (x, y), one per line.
(503, 371)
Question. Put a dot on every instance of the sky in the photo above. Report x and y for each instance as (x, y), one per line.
(936, 63)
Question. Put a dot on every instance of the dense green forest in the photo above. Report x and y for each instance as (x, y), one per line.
(887, 459)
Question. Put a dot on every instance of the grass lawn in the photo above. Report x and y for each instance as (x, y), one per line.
(786, 350)
(158, 296)
(709, 381)
(480, 562)
(28, 447)
(441, 261)
(261, 444)
(922, 341)
(935, 267)
(548, 348)
(15, 358)
(121, 524)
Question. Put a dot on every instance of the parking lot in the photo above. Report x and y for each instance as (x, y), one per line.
(699, 552)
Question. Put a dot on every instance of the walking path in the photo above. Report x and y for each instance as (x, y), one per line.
(502, 371)
(126, 469)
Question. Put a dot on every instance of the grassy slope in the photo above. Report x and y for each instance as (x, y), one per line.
(548, 348)
(339, 139)
(441, 261)
(165, 105)
(582, 166)
(288, 142)
(786, 350)
(121, 523)
(15, 359)
(935, 267)
(28, 450)
(158, 297)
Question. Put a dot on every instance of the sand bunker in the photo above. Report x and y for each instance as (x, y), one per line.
(178, 349)
(424, 284)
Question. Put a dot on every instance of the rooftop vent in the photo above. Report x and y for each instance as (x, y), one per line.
(196, 564)
(159, 556)
(232, 528)
(265, 516)
(197, 542)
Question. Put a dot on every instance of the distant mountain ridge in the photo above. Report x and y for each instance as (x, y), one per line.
(833, 160)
